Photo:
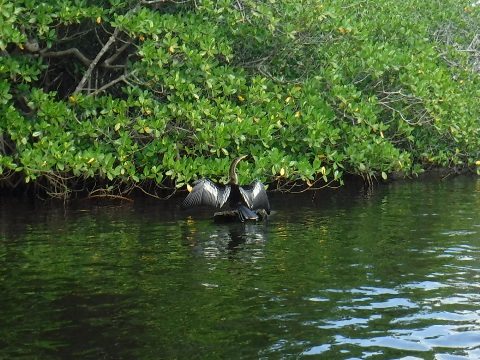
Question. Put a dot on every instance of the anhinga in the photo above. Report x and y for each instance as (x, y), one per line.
(244, 199)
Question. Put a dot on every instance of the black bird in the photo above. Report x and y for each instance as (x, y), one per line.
(244, 199)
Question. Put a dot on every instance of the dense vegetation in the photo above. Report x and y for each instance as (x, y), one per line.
(150, 94)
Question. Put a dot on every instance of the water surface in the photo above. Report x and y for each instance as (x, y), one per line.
(391, 272)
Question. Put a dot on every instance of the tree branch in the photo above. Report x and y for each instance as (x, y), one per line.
(94, 63)
(73, 51)
(111, 83)
(120, 50)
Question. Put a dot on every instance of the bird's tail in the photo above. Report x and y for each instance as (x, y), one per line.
(246, 214)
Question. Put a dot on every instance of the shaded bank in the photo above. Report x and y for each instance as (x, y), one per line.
(97, 194)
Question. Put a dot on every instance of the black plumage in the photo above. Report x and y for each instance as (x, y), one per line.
(244, 199)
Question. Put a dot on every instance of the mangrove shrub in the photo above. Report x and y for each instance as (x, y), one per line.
(148, 94)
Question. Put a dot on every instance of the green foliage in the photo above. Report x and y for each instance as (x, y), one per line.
(130, 94)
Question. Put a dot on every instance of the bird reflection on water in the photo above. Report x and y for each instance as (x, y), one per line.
(226, 240)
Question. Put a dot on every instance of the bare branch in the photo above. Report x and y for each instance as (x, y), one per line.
(120, 50)
(111, 83)
(94, 63)
(73, 51)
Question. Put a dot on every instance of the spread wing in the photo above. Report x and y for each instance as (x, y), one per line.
(206, 192)
(255, 196)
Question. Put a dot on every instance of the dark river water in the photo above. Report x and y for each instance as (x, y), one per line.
(391, 272)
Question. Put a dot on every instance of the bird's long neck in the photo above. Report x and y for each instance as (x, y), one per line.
(232, 172)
